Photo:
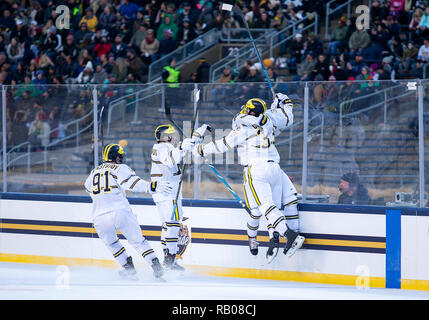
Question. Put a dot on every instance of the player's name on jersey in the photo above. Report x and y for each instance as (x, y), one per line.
(108, 166)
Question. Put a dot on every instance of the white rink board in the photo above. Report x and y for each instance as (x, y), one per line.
(210, 254)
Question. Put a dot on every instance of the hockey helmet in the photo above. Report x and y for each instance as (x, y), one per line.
(166, 133)
(254, 107)
(112, 152)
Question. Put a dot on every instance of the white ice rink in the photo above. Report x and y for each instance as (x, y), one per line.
(42, 282)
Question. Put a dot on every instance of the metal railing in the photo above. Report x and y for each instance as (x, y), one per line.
(266, 44)
(12, 159)
(139, 95)
(330, 11)
(232, 35)
(184, 53)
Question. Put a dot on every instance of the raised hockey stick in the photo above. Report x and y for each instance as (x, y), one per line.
(101, 127)
(237, 10)
(197, 110)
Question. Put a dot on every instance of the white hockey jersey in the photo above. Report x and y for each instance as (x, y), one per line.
(107, 184)
(254, 137)
(166, 166)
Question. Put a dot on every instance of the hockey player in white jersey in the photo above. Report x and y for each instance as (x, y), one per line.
(266, 187)
(111, 210)
(167, 155)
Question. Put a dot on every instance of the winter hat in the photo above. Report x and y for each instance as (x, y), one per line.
(351, 177)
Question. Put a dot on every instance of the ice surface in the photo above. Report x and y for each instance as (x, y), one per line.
(43, 282)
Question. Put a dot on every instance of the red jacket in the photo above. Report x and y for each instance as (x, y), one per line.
(102, 48)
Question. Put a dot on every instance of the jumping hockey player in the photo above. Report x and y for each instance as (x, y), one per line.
(111, 210)
(167, 155)
(266, 186)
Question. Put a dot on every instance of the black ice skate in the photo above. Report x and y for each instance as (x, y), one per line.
(273, 247)
(293, 242)
(128, 271)
(158, 271)
(253, 245)
(171, 263)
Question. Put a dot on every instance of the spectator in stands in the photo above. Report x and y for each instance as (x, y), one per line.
(321, 68)
(167, 25)
(81, 34)
(135, 65)
(167, 44)
(305, 68)
(352, 191)
(128, 10)
(107, 19)
(409, 59)
(100, 75)
(314, 45)
(39, 131)
(414, 24)
(186, 33)
(119, 49)
(423, 55)
(138, 37)
(19, 129)
(14, 51)
(203, 71)
(230, 23)
(423, 28)
(358, 41)
(339, 37)
(103, 47)
(90, 19)
(85, 76)
(149, 47)
(357, 64)
(220, 91)
(279, 22)
(296, 48)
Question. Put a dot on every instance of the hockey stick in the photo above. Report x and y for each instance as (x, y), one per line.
(218, 175)
(101, 128)
(237, 10)
(196, 97)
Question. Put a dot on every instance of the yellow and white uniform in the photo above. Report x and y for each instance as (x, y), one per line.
(266, 186)
(166, 161)
(111, 210)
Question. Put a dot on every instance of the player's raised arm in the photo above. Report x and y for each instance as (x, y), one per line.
(128, 180)
(281, 112)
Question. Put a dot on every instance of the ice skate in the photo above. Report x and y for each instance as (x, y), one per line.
(128, 271)
(253, 246)
(293, 242)
(158, 271)
(171, 263)
(273, 247)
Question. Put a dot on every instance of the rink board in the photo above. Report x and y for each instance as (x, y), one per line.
(348, 245)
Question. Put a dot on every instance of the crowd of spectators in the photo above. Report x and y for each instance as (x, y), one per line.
(105, 42)
(114, 41)
(396, 45)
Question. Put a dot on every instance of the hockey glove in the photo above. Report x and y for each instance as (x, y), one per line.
(198, 134)
(163, 187)
(187, 144)
(280, 101)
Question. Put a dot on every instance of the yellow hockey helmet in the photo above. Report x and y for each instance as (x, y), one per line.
(165, 133)
(112, 152)
(254, 107)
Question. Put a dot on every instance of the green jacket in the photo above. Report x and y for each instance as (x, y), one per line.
(359, 40)
(339, 33)
(172, 26)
